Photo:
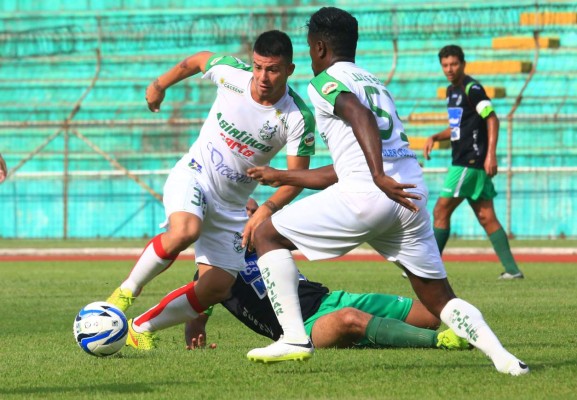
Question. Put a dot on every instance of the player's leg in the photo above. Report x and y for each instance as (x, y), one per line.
(341, 328)
(185, 205)
(449, 199)
(349, 326)
(219, 245)
(421, 317)
(213, 285)
(376, 320)
(485, 212)
(413, 246)
(280, 275)
(181, 305)
(444, 208)
(466, 321)
(157, 257)
(304, 225)
(399, 322)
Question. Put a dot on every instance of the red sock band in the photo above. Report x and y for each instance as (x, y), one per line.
(159, 250)
(188, 290)
(193, 300)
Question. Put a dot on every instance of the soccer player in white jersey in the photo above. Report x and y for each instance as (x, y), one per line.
(376, 195)
(254, 116)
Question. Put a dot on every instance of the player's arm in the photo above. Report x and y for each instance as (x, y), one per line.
(281, 197)
(445, 134)
(365, 128)
(482, 103)
(195, 332)
(492, 138)
(186, 68)
(317, 179)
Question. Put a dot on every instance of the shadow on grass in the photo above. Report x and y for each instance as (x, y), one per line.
(119, 388)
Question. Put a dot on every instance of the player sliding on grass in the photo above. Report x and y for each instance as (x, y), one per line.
(375, 193)
(332, 319)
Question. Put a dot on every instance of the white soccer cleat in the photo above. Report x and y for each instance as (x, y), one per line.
(282, 350)
(515, 367)
(508, 277)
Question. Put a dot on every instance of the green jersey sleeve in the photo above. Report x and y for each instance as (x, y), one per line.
(328, 87)
(307, 143)
(220, 59)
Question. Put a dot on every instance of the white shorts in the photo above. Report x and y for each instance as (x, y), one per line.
(336, 220)
(220, 241)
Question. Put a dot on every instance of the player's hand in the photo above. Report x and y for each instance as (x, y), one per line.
(195, 333)
(259, 216)
(428, 148)
(490, 166)
(396, 192)
(265, 176)
(154, 96)
(199, 343)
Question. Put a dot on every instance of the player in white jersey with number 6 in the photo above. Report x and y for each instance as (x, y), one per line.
(254, 116)
(374, 193)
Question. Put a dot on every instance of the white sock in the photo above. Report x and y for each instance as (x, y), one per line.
(178, 306)
(280, 274)
(149, 265)
(467, 322)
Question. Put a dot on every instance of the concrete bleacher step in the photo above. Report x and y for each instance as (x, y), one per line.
(417, 143)
(549, 18)
(523, 42)
(428, 118)
(498, 67)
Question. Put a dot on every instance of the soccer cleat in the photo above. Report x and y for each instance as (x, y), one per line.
(121, 298)
(507, 276)
(515, 367)
(449, 340)
(282, 351)
(140, 341)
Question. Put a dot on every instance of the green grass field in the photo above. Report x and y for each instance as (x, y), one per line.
(534, 318)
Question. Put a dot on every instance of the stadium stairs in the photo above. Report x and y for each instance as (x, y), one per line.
(53, 53)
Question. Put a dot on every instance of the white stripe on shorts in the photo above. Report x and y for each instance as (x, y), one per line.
(461, 180)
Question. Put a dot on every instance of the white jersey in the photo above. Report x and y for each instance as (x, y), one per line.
(240, 133)
(348, 157)
(354, 210)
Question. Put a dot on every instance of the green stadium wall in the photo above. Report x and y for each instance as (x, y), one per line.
(54, 53)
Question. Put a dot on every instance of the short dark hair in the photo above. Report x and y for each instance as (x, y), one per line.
(338, 28)
(274, 43)
(452, 50)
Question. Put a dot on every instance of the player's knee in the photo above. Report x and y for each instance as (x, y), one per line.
(351, 320)
(181, 237)
(264, 235)
(441, 215)
(220, 294)
(487, 218)
(211, 294)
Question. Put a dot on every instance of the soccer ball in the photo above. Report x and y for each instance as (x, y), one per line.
(100, 329)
